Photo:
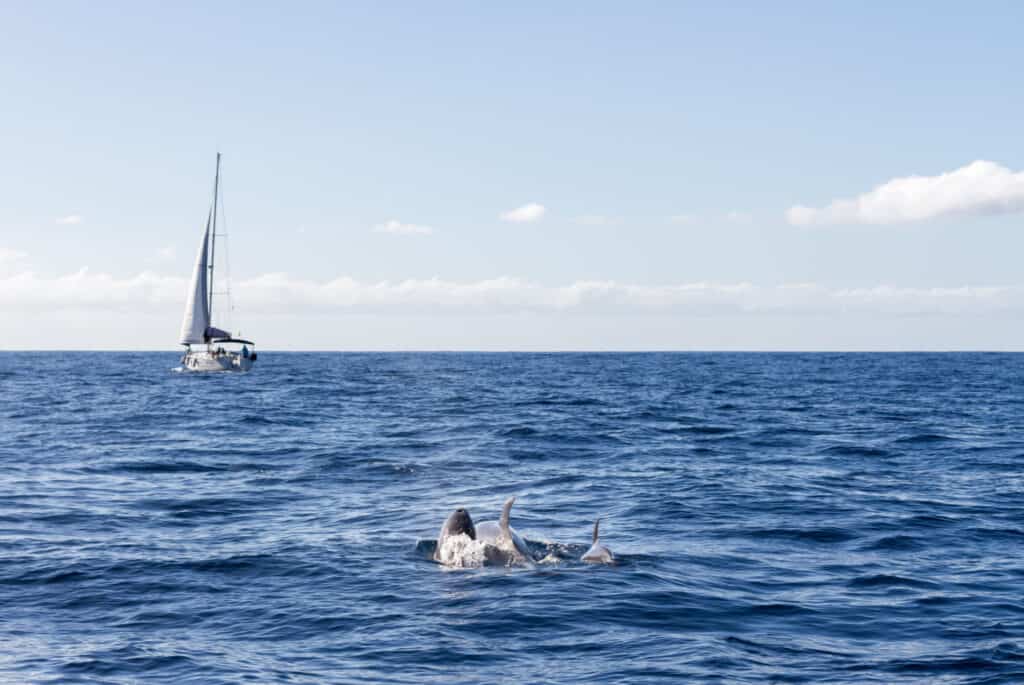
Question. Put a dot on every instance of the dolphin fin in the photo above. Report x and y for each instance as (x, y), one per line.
(596, 524)
(505, 512)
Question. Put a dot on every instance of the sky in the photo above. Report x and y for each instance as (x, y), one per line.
(522, 176)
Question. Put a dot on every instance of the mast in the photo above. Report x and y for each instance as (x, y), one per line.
(213, 233)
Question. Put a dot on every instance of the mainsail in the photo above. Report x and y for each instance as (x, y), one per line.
(197, 305)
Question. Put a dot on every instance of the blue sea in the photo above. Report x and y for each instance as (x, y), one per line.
(777, 518)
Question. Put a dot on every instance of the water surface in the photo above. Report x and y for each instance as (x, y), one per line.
(819, 518)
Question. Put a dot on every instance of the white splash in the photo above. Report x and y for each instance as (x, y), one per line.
(460, 551)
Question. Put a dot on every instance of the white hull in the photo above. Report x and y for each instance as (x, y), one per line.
(201, 361)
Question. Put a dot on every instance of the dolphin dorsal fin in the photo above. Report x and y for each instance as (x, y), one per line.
(596, 524)
(505, 511)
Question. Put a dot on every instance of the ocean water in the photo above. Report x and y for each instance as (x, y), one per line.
(777, 518)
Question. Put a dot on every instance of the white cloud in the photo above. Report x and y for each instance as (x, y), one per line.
(71, 219)
(280, 294)
(979, 188)
(399, 228)
(85, 290)
(525, 214)
(9, 255)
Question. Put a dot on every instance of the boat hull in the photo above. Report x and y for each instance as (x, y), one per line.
(211, 362)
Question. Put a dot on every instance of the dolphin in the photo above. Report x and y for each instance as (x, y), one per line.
(503, 542)
(598, 553)
(459, 522)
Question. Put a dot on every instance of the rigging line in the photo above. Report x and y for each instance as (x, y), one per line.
(227, 260)
(213, 238)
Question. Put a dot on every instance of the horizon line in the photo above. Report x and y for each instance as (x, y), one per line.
(543, 351)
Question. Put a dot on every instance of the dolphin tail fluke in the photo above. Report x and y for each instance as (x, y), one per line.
(505, 512)
(597, 523)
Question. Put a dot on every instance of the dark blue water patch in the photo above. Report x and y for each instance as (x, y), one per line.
(922, 521)
(897, 543)
(162, 467)
(882, 580)
(855, 450)
(923, 438)
(790, 518)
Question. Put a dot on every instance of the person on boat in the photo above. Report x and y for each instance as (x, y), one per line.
(245, 351)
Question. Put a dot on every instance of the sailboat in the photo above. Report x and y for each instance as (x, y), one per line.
(217, 350)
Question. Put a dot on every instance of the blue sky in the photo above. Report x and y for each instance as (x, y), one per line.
(665, 141)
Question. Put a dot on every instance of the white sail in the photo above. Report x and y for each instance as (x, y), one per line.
(197, 305)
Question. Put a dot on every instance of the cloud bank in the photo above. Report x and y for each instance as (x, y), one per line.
(525, 214)
(398, 228)
(281, 294)
(979, 188)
